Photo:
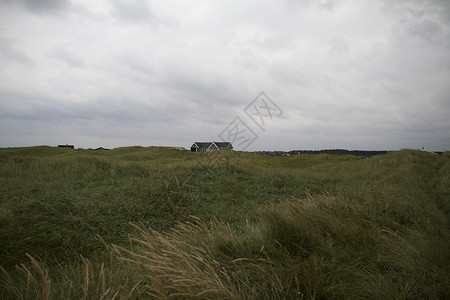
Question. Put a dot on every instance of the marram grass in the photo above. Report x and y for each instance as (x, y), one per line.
(156, 223)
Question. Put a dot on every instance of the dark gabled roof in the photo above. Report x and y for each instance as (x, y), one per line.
(201, 144)
(223, 144)
(218, 145)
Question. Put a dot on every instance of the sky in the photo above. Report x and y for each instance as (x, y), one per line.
(265, 75)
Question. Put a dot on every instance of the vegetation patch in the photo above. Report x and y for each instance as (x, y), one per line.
(162, 223)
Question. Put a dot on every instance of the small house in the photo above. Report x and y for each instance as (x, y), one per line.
(66, 146)
(210, 146)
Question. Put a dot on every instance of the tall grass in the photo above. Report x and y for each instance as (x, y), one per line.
(303, 227)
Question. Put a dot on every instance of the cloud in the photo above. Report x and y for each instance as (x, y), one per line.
(347, 74)
(42, 6)
(9, 52)
(339, 45)
(65, 53)
(429, 30)
(132, 11)
(321, 4)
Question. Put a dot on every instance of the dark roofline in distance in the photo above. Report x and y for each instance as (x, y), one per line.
(66, 146)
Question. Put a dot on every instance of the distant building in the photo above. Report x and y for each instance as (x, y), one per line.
(66, 146)
(210, 146)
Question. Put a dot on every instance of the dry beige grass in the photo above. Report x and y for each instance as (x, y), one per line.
(174, 268)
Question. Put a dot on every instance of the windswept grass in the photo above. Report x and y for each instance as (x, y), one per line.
(223, 225)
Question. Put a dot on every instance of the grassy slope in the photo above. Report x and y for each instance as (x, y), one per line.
(330, 226)
(54, 201)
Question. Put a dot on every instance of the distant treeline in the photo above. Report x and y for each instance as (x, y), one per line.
(359, 153)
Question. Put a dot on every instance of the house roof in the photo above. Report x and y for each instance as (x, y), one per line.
(219, 145)
(223, 144)
(201, 144)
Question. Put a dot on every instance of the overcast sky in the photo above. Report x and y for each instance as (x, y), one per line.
(359, 74)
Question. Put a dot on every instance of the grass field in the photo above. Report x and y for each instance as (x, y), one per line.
(134, 223)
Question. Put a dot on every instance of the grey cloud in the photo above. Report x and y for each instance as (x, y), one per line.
(119, 122)
(327, 4)
(428, 30)
(113, 109)
(108, 110)
(322, 4)
(42, 6)
(339, 45)
(132, 11)
(350, 74)
(46, 5)
(210, 102)
(9, 52)
(188, 90)
(290, 74)
(66, 54)
(427, 20)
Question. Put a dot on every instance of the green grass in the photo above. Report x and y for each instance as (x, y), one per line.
(223, 225)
